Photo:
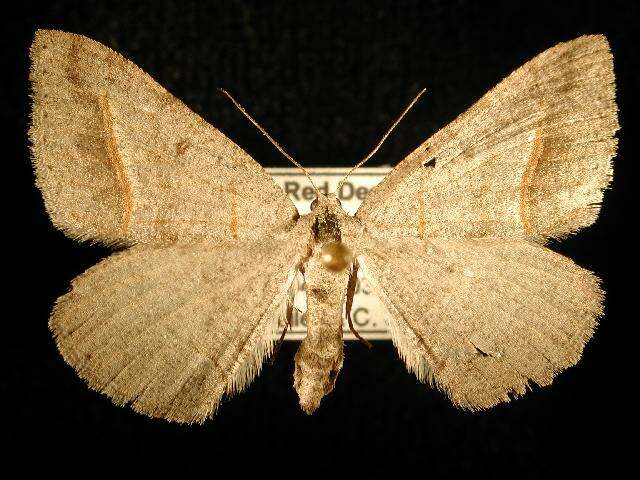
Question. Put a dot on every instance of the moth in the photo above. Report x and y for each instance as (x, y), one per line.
(452, 240)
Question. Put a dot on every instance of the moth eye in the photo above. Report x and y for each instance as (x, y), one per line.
(314, 203)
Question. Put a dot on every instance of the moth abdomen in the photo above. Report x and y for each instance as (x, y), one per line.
(319, 358)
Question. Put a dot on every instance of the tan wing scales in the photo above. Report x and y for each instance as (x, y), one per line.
(120, 160)
(482, 318)
(170, 330)
(530, 159)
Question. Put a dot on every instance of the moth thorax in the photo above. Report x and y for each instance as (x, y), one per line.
(335, 256)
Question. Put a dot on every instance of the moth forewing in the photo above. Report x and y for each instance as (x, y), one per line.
(530, 158)
(119, 160)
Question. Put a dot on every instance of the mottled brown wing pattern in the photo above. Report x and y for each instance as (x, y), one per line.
(483, 318)
(119, 160)
(169, 330)
(530, 159)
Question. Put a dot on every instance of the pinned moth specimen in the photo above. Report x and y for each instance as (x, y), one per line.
(452, 240)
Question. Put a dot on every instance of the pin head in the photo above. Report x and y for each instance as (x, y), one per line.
(335, 256)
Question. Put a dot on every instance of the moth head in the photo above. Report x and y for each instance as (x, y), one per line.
(326, 204)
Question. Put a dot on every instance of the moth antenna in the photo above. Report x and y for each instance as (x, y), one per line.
(395, 124)
(264, 132)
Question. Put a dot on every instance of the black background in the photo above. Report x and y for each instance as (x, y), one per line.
(326, 80)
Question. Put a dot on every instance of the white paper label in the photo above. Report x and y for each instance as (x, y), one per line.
(368, 313)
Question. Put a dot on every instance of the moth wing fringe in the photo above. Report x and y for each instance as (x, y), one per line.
(261, 343)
